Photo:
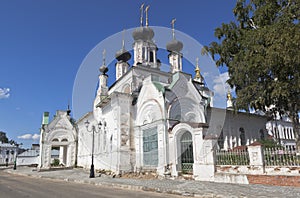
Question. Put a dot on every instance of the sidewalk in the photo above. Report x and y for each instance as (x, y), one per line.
(178, 187)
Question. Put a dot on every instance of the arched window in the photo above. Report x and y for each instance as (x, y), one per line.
(221, 140)
(242, 136)
(261, 133)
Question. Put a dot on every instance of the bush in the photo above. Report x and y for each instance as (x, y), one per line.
(270, 143)
(55, 162)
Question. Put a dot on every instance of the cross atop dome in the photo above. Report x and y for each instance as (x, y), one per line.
(103, 69)
(173, 27)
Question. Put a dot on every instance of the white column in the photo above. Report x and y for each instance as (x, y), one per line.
(148, 55)
(172, 155)
(138, 148)
(61, 154)
(145, 54)
(161, 149)
(226, 143)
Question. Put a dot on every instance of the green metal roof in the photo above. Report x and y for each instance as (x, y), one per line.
(175, 78)
(159, 87)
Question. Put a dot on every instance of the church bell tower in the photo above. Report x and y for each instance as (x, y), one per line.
(145, 49)
(175, 56)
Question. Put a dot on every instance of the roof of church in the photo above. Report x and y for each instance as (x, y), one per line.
(159, 86)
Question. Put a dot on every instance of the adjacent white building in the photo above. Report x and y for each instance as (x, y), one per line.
(8, 153)
(282, 131)
(28, 158)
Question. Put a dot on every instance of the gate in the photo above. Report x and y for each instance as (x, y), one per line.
(187, 158)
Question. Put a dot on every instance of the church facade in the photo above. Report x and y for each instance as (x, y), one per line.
(149, 119)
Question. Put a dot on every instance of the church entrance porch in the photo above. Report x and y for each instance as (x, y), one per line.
(181, 150)
(58, 141)
(186, 150)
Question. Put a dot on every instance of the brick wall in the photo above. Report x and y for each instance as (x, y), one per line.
(276, 180)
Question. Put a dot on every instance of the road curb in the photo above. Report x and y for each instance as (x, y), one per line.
(114, 185)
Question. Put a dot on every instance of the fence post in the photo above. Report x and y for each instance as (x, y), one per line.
(205, 169)
(256, 157)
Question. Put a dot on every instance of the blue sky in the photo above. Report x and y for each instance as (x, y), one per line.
(43, 43)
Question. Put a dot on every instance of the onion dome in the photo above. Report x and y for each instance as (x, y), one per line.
(143, 33)
(103, 69)
(174, 46)
(123, 55)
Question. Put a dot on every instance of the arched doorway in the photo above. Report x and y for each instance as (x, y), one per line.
(187, 157)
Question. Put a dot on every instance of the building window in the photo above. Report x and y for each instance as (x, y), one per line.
(150, 147)
(262, 135)
(151, 57)
(221, 140)
(242, 136)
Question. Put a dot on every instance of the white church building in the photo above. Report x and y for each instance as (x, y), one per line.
(149, 119)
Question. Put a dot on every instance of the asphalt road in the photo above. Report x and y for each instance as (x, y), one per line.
(15, 186)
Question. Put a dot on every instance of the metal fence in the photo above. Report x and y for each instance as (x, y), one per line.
(236, 157)
(281, 157)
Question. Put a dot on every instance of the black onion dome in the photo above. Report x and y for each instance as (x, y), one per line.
(103, 69)
(123, 55)
(143, 33)
(174, 46)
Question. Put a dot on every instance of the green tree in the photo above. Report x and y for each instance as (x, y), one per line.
(261, 49)
(3, 137)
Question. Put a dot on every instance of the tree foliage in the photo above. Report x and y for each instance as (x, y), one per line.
(3, 137)
(261, 49)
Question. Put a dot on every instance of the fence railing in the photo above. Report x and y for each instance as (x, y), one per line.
(281, 157)
(237, 157)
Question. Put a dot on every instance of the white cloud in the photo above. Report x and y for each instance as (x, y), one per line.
(4, 93)
(25, 136)
(29, 136)
(36, 136)
(220, 86)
